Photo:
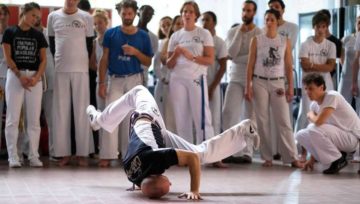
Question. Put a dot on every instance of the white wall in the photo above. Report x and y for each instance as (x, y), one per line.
(228, 11)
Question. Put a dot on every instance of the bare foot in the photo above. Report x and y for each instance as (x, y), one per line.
(267, 163)
(82, 161)
(297, 164)
(303, 154)
(104, 163)
(64, 161)
(302, 158)
(219, 165)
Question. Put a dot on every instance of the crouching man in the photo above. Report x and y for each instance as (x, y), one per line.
(334, 128)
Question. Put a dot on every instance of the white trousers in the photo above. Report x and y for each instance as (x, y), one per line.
(345, 89)
(139, 99)
(186, 96)
(271, 95)
(236, 109)
(215, 109)
(100, 103)
(162, 98)
(48, 110)
(109, 142)
(16, 95)
(326, 141)
(71, 87)
(302, 121)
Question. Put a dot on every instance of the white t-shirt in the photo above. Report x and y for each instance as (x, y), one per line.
(3, 64)
(154, 41)
(344, 116)
(194, 41)
(154, 45)
(238, 44)
(270, 54)
(319, 53)
(357, 43)
(289, 30)
(161, 71)
(98, 51)
(348, 44)
(70, 32)
(220, 52)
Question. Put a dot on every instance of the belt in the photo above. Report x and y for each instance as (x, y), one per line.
(266, 78)
(135, 116)
(122, 76)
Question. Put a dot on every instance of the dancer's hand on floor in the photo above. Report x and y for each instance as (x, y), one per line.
(191, 196)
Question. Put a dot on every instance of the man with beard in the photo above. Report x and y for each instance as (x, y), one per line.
(125, 49)
(236, 108)
(145, 14)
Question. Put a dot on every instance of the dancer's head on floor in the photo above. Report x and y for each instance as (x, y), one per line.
(155, 186)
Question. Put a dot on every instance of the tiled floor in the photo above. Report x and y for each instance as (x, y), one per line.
(237, 184)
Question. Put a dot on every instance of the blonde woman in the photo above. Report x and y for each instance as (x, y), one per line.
(101, 22)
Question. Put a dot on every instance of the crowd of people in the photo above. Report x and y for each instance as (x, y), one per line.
(50, 69)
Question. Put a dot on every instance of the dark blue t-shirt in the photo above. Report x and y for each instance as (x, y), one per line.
(142, 161)
(119, 63)
(25, 46)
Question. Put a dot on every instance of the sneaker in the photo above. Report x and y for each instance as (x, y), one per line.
(35, 162)
(228, 160)
(251, 132)
(337, 165)
(93, 114)
(14, 163)
(245, 159)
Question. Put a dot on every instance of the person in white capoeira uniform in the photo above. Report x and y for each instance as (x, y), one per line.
(289, 30)
(317, 54)
(70, 32)
(101, 21)
(347, 58)
(160, 69)
(235, 106)
(270, 60)
(215, 71)
(190, 52)
(355, 74)
(161, 92)
(153, 149)
(334, 128)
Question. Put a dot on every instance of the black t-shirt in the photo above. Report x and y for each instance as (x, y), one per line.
(338, 45)
(25, 46)
(141, 160)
